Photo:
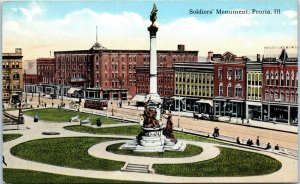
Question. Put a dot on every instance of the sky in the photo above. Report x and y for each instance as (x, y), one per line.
(39, 27)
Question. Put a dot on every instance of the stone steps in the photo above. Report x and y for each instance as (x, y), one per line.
(137, 168)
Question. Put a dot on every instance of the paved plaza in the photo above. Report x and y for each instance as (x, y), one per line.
(33, 131)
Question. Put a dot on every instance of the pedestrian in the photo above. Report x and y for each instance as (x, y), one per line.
(257, 141)
(45, 104)
(268, 146)
(248, 142)
(52, 104)
(3, 161)
(217, 132)
(251, 142)
(98, 122)
(274, 120)
(276, 147)
(238, 140)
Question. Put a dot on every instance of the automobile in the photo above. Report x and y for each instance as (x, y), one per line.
(53, 96)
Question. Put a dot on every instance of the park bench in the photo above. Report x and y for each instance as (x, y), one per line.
(75, 119)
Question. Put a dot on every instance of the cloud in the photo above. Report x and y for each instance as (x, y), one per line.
(31, 12)
(290, 14)
(128, 30)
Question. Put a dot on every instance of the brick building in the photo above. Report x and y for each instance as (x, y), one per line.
(229, 85)
(109, 73)
(165, 81)
(46, 75)
(12, 79)
(279, 91)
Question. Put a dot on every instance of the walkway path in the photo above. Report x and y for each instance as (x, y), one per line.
(288, 172)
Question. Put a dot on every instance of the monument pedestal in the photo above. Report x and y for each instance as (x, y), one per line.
(153, 140)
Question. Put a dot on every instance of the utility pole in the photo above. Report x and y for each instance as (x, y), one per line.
(179, 111)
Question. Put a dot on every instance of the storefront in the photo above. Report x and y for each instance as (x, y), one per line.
(283, 113)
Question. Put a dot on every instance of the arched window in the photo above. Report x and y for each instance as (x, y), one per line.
(272, 78)
(238, 91)
(287, 79)
(271, 96)
(282, 78)
(267, 95)
(229, 90)
(15, 76)
(282, 96)
(267, 78)
(276, 79)
(221, 89)
(293, 78)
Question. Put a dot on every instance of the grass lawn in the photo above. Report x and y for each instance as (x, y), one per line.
(133, 130)
(62, 115)
(67, 152)
(19, 176)
(230, 162)
(122, 130)
(10, 137)
(190, 150)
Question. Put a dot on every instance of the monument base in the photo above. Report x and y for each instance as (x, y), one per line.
(153, 140)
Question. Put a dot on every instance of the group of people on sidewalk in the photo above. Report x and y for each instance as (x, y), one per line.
(257, 143)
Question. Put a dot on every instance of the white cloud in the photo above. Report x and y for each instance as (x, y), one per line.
(290, 14)
(128, 30)
(33, 11)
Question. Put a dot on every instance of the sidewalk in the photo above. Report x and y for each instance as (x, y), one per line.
(252, 123)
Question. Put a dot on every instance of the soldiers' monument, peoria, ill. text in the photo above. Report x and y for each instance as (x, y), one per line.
(153, 136)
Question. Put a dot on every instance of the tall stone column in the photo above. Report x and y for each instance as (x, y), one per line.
(153, 96)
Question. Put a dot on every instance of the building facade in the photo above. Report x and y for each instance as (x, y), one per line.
(106, 73)
(12, 81)
(280, 89)
(165, 81)
(229, 85)
(254, 89)
(194, 84)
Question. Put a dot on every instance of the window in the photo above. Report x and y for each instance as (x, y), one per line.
(267, 78)
(229, 74)
(267, 96)
(220, 74)
(238, 74)
(229, 90)
(282, 96)
(220, 89)
(282, 78)
(272, 78)
(16, 76)
(276, 79)
(287, 98)
(238, 91)
(292, 79)
(287, 79)
(276, 96)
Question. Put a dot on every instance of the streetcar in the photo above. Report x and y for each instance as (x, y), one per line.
(100, 104)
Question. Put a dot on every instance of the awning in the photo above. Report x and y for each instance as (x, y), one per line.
(178, 98)
(72, 90)
(210, 102)
(139, 98)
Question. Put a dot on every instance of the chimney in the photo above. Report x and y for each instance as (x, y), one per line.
(180, 47)
(209, 56)
(18, 50)
(258, 57)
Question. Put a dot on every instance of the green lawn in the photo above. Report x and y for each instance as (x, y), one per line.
(62, 115)
(122, 130)
(190, 150)
(68, 152)
(132, 130)
(20, 176)
(230, 162)
(10, 137)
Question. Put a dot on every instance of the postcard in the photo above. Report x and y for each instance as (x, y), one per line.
(202, 91)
